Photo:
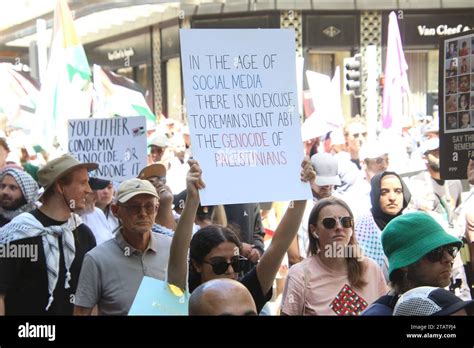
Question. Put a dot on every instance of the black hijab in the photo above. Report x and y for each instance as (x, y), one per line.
(382, 219)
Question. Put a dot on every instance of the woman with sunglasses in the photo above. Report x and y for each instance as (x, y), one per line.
(389, 197)
(336, 279)
(215, 251)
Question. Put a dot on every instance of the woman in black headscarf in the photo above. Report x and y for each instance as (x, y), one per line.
(389, 196)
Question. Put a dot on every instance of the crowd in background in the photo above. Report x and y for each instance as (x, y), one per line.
(380, 221)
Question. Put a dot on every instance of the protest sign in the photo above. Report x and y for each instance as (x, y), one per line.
(156, 297)
(241, 101)
(456, 96)
(117, 144)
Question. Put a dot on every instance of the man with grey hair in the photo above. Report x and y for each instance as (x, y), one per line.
(18, 192)
(112, 272)
(221, 297)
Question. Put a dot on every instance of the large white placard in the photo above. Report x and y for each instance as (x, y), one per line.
(117, 144)
(241, 99)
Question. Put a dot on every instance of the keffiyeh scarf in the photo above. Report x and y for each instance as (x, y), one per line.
(26, 226)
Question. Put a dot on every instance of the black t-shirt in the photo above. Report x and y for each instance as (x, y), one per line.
(24, 281)
(251, 282)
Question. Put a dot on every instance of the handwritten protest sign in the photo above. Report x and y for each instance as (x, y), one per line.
(456, 95)
(240, 88)
(156, 297)
(117, 144)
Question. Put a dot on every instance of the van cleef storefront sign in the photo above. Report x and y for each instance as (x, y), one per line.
(120, 53)
(427, 28)
(442, 29)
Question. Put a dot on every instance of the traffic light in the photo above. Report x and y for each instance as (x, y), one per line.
(352, 75)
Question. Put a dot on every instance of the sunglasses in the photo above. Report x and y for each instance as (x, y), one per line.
(345, 221)
(436, 255)
(378, 160)
(135, 209)
(220, 265)
(357, 135)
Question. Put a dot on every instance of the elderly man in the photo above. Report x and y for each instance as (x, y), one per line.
(112, 272)
(46, 284)
(19, 192)
(419, 252)
(221, 297)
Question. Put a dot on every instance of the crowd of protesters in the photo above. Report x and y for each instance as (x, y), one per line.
(383, 231)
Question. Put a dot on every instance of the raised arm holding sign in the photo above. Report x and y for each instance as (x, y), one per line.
(241, 98)
(222, 260)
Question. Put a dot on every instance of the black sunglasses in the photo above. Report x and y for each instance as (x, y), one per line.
(345, 221)
(357, 135)
(436, 255)
(220, 265)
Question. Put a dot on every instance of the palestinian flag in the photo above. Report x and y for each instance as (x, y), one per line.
(66, 92)
(18, 97)
(116, 95)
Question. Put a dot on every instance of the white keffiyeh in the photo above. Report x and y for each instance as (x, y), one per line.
(29, 189)
(26, 226)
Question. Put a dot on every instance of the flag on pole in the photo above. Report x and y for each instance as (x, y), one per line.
(116, 95)
(396, 80)
(18, 97)
(66, 92)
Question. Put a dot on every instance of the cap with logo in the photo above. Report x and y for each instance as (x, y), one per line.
(133, 187)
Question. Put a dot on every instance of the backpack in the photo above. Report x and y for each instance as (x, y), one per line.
(382, 306)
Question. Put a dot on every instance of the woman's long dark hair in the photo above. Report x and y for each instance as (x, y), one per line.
(202, 243)
(381, 218)
(355, 268)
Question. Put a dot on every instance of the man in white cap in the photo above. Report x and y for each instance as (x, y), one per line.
(44, 282)
(159, 142)
(373, 158)
(326, 168)
(112, 272)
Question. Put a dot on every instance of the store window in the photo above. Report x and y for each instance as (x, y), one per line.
(423, 80)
